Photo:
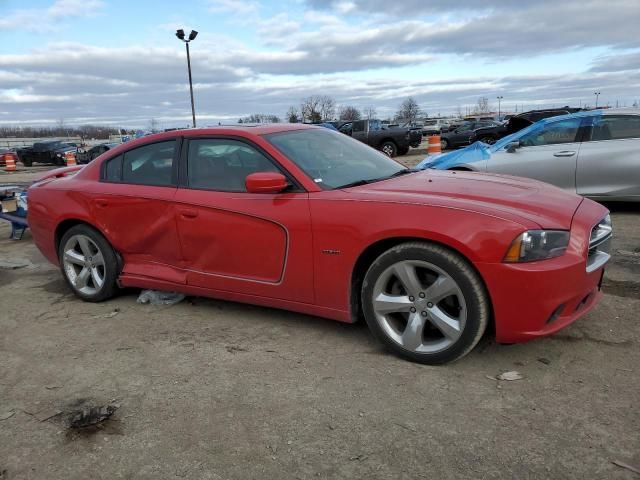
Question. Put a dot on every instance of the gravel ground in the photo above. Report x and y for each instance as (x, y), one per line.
(217, 390)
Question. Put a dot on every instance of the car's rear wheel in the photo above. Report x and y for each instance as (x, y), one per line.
(26, 161)
(389, 148)
(488, 140)
(425, 302)
(444, 144)
(88, 263)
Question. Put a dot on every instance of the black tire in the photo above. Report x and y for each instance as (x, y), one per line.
(488, 140)
(476, 307)
(444, 144)
(110, 268)
(389, 148)
(26, 161)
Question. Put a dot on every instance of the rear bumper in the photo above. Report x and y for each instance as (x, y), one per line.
(536, 299)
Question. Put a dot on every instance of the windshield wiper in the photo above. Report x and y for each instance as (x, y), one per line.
(357, 183)
(401, 172)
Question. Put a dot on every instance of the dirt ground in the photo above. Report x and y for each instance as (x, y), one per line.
(216, 390)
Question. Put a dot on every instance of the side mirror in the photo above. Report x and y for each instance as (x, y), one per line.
(513, 146)
(265, 182)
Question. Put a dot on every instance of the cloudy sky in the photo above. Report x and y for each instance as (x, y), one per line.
(118, 61)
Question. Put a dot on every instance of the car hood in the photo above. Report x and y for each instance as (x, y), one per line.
(529, 202)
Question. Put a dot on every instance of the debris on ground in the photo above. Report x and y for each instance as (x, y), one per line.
(510, 376)
(90, 416)
(14, 264)
(544, 360)
(626, 466)
(157, 297)
(7, 415)
(235, 348)
(112, 314)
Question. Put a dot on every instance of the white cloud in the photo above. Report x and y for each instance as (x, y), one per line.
(48, 19)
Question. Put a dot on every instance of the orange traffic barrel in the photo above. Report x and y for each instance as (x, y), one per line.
(70, 158)
(10, 162)
(434, 145)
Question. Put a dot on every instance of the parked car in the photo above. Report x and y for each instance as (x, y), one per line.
(464, 133)
(85, 156)
(390, 140)
(592, 153)
(52, 151)
(301, 218)
(516, 123)
(435, 126)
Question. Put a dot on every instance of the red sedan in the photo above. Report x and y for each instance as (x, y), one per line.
(306, 219)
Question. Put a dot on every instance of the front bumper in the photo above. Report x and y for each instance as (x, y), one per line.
(535, 299)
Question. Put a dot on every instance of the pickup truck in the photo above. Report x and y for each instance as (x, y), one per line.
(391, 141)
(46, 152)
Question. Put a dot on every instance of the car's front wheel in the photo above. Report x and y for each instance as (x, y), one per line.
(88, 263)
(389, 148)
(425, 302)
(444, 144)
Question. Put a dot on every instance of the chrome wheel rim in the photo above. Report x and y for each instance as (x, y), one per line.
(443, 144)
(84, 264)
(387, 150)
(419, 306)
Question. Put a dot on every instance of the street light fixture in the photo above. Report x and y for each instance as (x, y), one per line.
(597, 94)
(192, 36)
(500, 97)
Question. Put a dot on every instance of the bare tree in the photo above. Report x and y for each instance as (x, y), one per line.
(370, 113)
(349, 113)
(260, 118)
(409, 110)
(327, 108)
(310, 109)
(292, 115)
(483, 105)
(459, 111)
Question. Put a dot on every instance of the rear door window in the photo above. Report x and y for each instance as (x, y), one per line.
(150, 165)
(615, 127)
(113, 170)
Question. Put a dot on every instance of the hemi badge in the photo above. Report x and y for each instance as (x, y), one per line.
(328, 251)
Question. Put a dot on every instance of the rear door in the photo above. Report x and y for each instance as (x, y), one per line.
(548, 153)
(235, 241)
(609, 161)
(134, 209)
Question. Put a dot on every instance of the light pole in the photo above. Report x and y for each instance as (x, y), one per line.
(499, 97)
(192, 36)
(597, 94)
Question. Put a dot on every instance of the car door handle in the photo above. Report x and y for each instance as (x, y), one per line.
(188, 214)
(565, 153)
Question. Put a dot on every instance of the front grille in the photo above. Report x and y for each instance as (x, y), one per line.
(599, 244)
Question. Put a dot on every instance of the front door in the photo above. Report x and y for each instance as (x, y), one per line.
(235, 241)
(548, 153)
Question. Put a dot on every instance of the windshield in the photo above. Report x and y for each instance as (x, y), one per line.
(332, 159)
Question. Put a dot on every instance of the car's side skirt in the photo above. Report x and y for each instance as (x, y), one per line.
(306, 308)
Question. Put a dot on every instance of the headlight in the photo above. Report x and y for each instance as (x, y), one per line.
(537, 245)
